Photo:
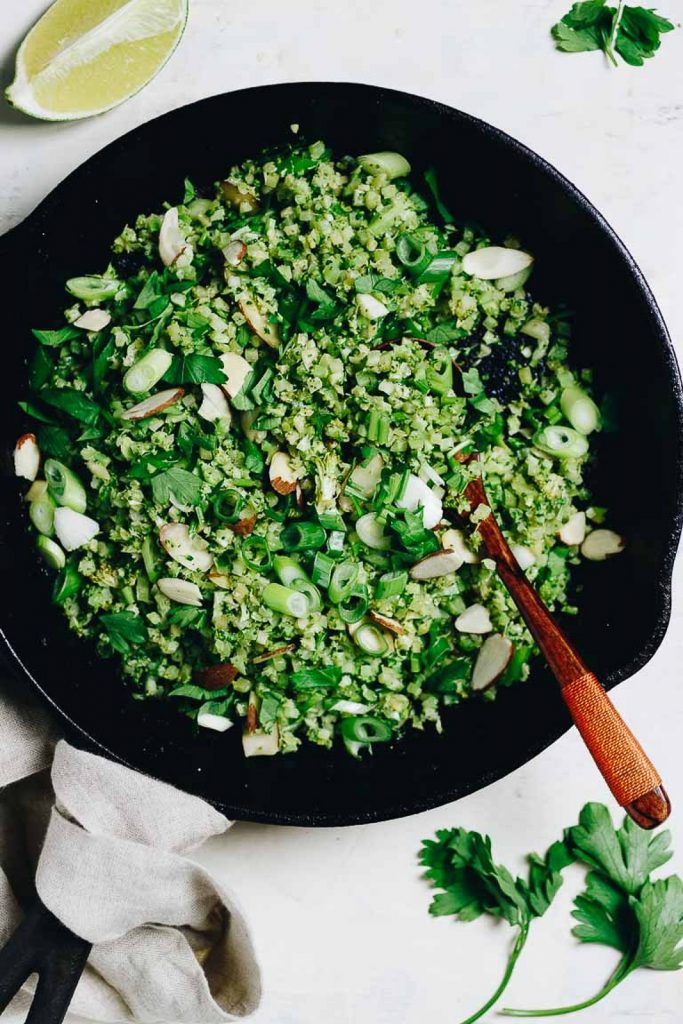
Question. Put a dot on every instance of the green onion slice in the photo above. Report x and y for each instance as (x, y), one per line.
(148, 371)
(391, 584)
(256, 553)
(342, 581)
(332, 521)
(64, 486)
(580, 410)
(42, 514)
(412, 253)
(288, 571)
(311, 593)
(51, 552)
(561, 442)
(370, 639)
(322, 569)
(365, 729)
(285, 600)
(353, 607)
(303, 537)
(227, 506)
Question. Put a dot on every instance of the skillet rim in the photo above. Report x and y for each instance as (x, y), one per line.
(664, 572)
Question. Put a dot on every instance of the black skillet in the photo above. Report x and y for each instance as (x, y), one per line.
(486, 177)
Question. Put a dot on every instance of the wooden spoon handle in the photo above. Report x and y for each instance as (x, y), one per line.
(625, 767)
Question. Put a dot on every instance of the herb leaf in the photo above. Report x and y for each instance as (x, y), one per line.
(55, 338)
(634, 32)
(178, 483)
(195, 369)
(659, 913)
(74, 403)
(124, 629)
(433, 186)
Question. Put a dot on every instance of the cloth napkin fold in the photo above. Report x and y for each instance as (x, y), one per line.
(107, 848)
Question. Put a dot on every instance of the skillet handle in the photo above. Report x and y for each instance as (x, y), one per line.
(43, 945)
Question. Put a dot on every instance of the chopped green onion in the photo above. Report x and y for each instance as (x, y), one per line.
(562, 442)
(365, 729)
(93, 289)
(288, 571)
(148, 371)
(311, 593)
(314, 678)
(149, 558)
(256, 553)
(393, 165)
(64, 486)
(439, 268)
(332, 521)
(353, 607)
(51, 552)
(343, 581)
(322, 569)
(378, 427)
(412, 253)
(580, 410)
(440, 372)
(67, 584)
(335, 543)
(370, 639)
(302, 537)
(227, 506)
(280, 512)
(42, 514)
(285, 601)
(391, 584)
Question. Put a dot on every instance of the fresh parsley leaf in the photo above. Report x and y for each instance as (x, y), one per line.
(187, 617)
(317, 294)
(124, 629)
(268, 270)
(471, 381)
(151, 291)
(626, 856)
(73, 403)
(270, 704)
(178, 483)
(40, 369)
(445, 332)
(55, 338)
(217, 707)
(195, 369)
(433, 186)
(103, 350)
(633, 32)
(603, 914)
(659, 913)
(545, 877)
(190, 192)
(375, 283)
(193, 692)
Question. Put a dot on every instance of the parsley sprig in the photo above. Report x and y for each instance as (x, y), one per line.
(620, 907)
(632, 32)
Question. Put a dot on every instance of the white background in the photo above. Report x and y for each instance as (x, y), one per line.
(339, 915)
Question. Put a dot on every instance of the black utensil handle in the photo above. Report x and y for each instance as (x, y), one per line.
(43, 945)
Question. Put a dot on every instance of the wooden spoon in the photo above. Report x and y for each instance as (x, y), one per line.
(623, 763)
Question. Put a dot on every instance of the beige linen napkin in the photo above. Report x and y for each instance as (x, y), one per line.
(108, 848)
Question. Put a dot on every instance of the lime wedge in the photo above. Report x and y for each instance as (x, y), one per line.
(85, 56)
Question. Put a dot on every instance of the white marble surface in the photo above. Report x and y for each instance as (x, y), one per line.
(340, 915)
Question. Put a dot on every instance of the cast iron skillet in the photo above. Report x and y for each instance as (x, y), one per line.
(486, 177)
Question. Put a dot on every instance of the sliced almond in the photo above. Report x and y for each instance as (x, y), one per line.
(417, 494)
(93, 320)
(350, 707)
(234, 252)
(184, 548)
(219, 579)
(259, 324)
(154, 404)
(371, 307)
(276, 653)
(244, 526)
(214, 407)
(240, 197)
(219, 723)
(493, 658)
(454, 540)
(261, 744)
(574, 530)
(281, 474)
(172, 244)
(602, 544)
(180, 591)
(217, 677)
(236, 369)
(475, 619)
(524, 557)
(27, 457)
(495, 261)
(440, 563)
(386, 622)
(252, 712)
(74, 529)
